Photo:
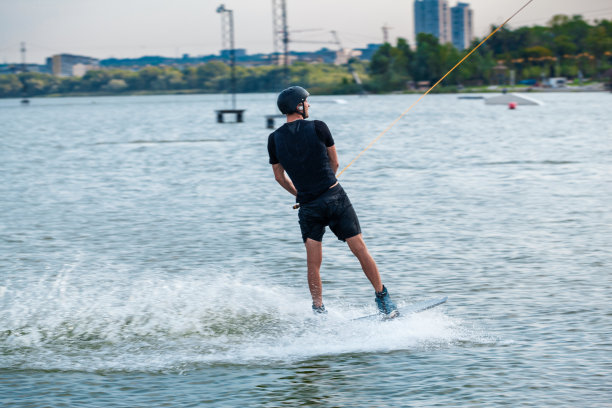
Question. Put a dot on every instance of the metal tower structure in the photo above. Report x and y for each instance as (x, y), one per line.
(385, 30)
(227, 40)
(281, 35)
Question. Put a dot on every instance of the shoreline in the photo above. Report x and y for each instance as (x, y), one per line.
(493, 89)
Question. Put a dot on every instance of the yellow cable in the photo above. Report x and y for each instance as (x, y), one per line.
(429, 90)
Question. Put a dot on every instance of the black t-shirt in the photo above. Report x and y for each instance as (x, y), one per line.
(301, 148)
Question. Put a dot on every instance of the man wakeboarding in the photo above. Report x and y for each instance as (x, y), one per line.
(304, 160)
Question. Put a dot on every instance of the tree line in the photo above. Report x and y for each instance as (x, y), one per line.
(567, 46)
(212, 77)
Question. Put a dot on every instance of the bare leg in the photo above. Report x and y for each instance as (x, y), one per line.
(359, 249)
(314, 257)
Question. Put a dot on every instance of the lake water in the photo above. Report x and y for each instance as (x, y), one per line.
(148, 257)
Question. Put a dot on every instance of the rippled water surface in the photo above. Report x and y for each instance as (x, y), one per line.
(148, 257)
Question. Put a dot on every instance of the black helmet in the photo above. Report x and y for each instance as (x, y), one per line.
(290, 98)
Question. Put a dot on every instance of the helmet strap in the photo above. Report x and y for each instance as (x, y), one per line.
(303, 111)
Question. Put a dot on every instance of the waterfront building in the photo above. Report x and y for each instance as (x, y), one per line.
(433, 17)
(238, 53)
(63, 64)
(462, 27)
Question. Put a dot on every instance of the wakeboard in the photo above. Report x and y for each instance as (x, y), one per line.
(409, 309)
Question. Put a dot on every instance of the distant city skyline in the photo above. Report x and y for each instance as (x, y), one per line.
(134, 28)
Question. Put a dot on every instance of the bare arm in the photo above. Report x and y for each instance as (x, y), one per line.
(333, 158)
(282, 178)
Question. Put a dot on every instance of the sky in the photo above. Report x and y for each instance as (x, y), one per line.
(171, 28)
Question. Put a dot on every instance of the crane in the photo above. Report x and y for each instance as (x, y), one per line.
(349, 66)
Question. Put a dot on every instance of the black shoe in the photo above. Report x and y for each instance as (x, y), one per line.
(319, 310)
(385, 304)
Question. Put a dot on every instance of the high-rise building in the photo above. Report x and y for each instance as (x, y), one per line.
(461, 23)
(433, 17)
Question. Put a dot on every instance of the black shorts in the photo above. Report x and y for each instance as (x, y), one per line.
(332, 208)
